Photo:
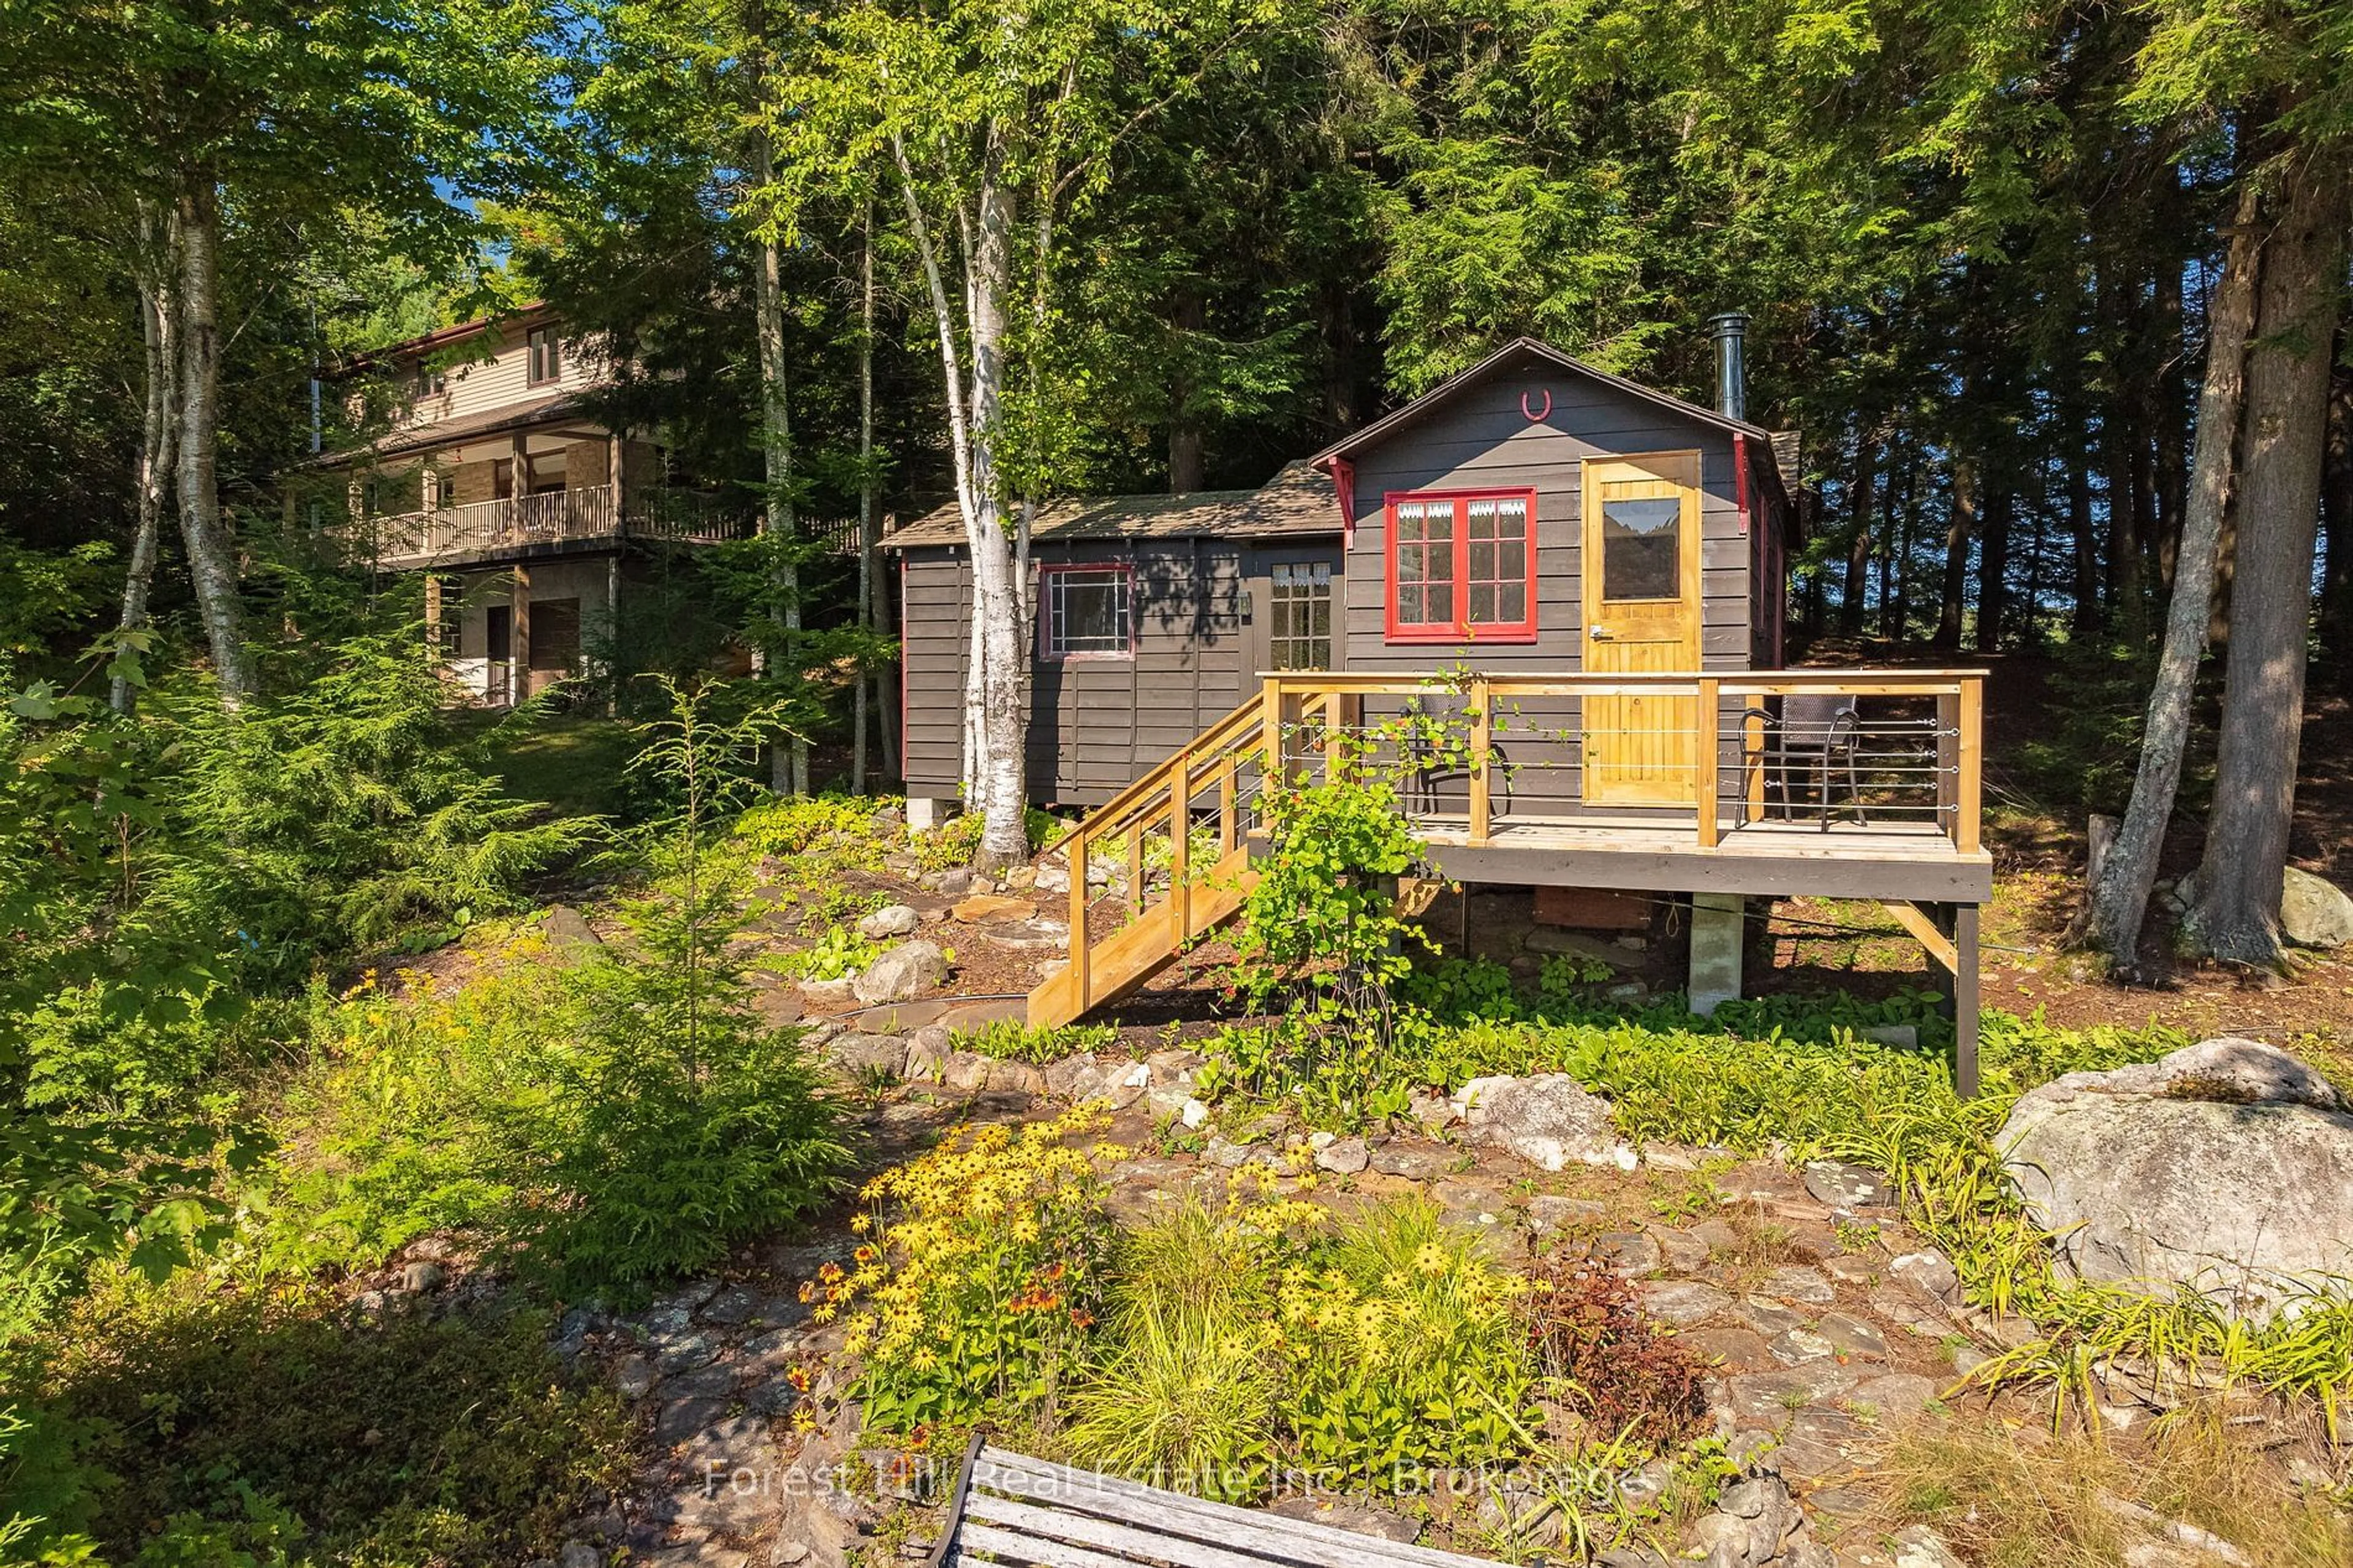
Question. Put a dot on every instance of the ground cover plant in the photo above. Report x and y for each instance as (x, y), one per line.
(1229, 1348)
(207, 1424)
(1009, 1039)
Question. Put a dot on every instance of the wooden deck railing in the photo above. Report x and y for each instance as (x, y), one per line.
(585, 511)
(1874, 750)
(1730, 759)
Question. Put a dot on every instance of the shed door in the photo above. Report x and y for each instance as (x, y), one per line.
(1641, 583)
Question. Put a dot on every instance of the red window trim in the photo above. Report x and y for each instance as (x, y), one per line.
(1045, 610)
(1462, 631)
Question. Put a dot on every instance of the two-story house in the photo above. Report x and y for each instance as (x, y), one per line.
(531, 518)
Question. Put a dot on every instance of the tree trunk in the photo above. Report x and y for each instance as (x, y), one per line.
(2337, 514)
(2172, 476)
(211, 549)
(1960, 524)
(2084, 545)
(788, 762)
(2120, 895)
(869, 539)
(1187, 457)
(1859, 538)
(995, 689)
(157, 434)
(1993, 571)
(2236, 916)
(1896, 581)
(1004, 834)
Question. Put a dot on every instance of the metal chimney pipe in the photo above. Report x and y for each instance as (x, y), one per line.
(1731, 331)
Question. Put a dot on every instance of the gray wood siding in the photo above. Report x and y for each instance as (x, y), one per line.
(1096, 724)
(1487, 441)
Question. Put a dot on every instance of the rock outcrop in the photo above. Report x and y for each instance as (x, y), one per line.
(2315, 913)
(1549, 1121)
(2227, 1166)
(907, 970)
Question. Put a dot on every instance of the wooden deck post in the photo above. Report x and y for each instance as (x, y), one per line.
(1971, 793)
(1228, 825)
(432, 613)
(1965, 1000)
(1271, 733)
(1180, 824)
(1481, 750)
(1709, 758)
(519, 634)
(1752, 741)
(1078, 937)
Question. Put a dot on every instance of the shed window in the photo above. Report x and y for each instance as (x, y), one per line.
(546, 355)
(1089, 613)
(1300, 636)
(1461, 566)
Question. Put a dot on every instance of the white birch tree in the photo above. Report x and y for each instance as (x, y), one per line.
(966, 112)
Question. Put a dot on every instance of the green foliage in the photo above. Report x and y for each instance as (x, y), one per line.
(837, 955)
(794, 825)
(2086, 758)
(609, 1122)
(1410, 1352)
(1250, 1338)
(184, 1425)
(956, 841)
(1009, 1039)
(167, 879)
(1322, 912)
(1332, 1077)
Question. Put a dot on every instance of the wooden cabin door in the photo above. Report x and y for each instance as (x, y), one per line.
(1641, 580)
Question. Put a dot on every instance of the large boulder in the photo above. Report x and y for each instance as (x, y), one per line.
(906, 970)
(1549, 1120)
(2315, 913)
(2227, 1166)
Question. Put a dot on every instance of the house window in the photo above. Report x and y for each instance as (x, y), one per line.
(1299, 636)
(1462, 567)
(1089, 613)
(546, 355)
(1641, 548)
(431, 380)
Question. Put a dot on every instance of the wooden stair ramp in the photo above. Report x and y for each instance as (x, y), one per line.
(1010, 1509)
(1195, 805)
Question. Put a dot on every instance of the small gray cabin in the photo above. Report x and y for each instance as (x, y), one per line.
(1456, 531)
(1547, 600)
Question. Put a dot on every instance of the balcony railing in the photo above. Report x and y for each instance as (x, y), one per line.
(584, 512)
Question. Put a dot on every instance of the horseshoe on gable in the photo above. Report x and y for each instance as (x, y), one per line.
(1535, 415)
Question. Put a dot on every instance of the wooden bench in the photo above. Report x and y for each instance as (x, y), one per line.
(1010, 1509)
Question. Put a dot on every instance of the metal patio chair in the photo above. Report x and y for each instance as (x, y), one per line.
(1811, 738)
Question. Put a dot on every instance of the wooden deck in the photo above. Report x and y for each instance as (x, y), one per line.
(547, 523)
(1761, 859)
(1746, 796)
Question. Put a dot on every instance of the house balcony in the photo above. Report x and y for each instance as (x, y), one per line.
(547, 523)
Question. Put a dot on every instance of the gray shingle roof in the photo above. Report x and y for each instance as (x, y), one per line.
(1298, 499)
